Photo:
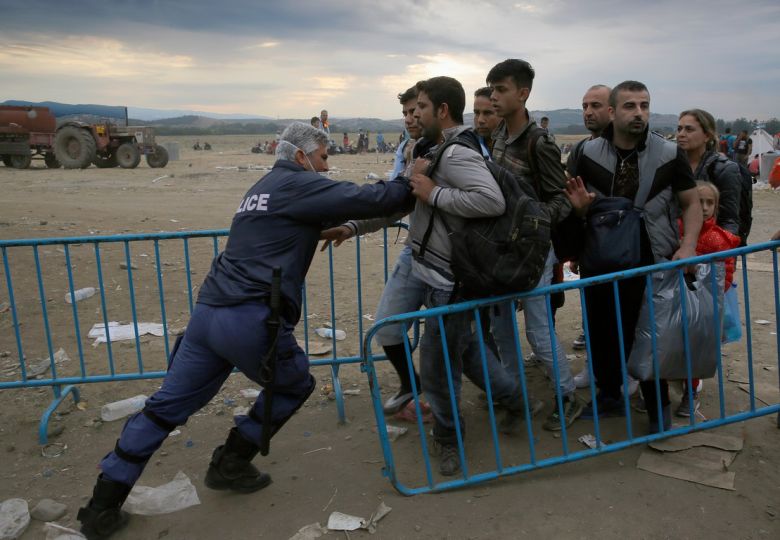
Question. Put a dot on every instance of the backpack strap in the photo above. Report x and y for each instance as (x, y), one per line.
(465, 138)
(533, 139)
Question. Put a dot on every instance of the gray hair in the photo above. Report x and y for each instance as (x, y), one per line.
(301, 136)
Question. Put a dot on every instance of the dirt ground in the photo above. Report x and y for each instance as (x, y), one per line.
(317, 464)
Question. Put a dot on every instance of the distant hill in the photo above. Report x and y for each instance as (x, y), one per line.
(142, 113)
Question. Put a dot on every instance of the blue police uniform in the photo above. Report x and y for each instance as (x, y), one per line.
(278, 223)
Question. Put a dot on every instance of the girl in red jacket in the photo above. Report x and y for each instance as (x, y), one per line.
(712, 239)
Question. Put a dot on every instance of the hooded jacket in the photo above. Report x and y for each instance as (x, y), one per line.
(465, 188)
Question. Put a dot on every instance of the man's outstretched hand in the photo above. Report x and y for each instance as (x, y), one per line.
(337, 235)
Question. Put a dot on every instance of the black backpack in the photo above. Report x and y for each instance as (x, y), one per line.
(497, 255)
(745, 195)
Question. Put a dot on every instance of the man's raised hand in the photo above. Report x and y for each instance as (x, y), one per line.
(579, 197)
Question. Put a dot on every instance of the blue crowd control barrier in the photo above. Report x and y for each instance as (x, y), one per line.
(488, 454)
(154, 283)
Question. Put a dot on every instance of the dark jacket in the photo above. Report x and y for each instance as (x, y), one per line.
(724, 173)
(550, 180)
(278, 223)
(660, 162)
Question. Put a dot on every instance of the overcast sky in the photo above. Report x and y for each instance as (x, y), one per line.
(292, 58)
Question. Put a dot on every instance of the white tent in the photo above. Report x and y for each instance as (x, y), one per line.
(762, 142)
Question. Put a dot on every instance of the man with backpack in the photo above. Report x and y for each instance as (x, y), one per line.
(458, 187)
(529, 153)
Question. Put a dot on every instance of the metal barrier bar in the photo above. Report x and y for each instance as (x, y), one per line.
(674, 269)
(87, 371)
(76, 325)
(104, 309)
(14, 315)
(161, 291)
(188, 272)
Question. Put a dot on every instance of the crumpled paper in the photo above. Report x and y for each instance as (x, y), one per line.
(339, 521)
(123, 332)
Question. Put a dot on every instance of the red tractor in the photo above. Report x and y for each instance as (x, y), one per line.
(28, 130)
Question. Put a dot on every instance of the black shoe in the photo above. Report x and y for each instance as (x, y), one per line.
(103, 515)
(231, 466)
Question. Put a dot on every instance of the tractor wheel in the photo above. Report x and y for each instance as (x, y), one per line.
(20, 161)
(128, 156)
(74, 147)
(51, 160)
(159, 159)
(105, 162)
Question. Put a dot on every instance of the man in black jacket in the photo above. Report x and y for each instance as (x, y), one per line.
(625, 159)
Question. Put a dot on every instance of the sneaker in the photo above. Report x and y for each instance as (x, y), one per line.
(579, 343)
(684, 409)
(449, 460)
(633, 386)
(409, 413)
(582, 379)
(572, 409)
(607, 407)
(398, 401)
(532, 360)
(512, 421)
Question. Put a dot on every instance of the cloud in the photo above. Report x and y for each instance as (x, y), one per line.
(264, 45)
(91, 55)
(353, 58)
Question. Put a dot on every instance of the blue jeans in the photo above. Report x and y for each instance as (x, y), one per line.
(217, 340)
(406, 292)
(537, 331)
(402, 293)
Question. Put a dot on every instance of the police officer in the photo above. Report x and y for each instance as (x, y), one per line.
(277, 224)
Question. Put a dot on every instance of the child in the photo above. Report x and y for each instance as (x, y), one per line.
(711, 240)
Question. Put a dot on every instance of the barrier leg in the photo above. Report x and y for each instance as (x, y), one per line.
(339, 394)
(59, 397)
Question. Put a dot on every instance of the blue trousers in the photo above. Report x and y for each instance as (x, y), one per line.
(218, 339)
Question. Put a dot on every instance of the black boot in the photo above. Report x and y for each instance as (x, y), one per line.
(231, 466)
(103, 516)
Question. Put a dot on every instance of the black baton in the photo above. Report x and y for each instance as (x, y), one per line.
(268, 365)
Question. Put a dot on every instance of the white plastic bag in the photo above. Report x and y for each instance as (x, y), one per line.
(668, 326)
(177, 494)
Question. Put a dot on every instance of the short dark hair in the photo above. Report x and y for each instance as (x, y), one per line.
(545, 118)
(626, 86)
(519, 71)
(407, 95)
(485, 92)
(314, 119)
(445, 90)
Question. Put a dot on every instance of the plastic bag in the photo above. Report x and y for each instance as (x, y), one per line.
(732, 325)
(668, 326)
(176, 495)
